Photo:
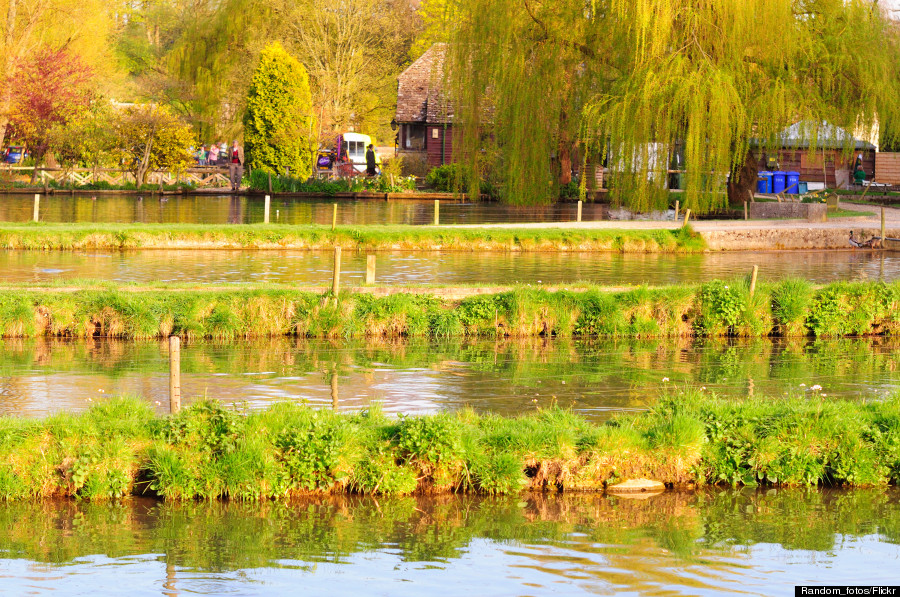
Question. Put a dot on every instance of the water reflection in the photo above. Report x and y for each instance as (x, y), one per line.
(228, 209)
(757, 542)
(594, 377)
(308, 268)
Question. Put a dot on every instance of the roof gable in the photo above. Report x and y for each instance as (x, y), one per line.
(420, 95)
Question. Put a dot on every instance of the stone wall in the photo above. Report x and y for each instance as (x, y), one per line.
(812, 212)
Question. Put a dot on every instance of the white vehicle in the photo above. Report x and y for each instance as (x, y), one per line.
(351, 153)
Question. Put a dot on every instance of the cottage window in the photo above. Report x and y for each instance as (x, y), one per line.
(414, 137)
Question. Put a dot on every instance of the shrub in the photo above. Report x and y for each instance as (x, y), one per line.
(721, 307)
(444, 178)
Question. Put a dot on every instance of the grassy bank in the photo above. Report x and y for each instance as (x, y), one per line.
(716, 309)
(120, 448)
(315, 237)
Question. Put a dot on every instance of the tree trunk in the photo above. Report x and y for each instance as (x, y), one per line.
(565, 163)
(139, 174)
(742, 183)
(10, 58)
(564, 150)
(144, 164)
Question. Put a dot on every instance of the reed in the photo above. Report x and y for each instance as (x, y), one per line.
(207, 451)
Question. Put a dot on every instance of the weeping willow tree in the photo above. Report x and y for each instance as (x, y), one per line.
(210, 65)
(633, 83)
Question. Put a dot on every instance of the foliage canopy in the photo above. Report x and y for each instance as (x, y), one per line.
(635, 83)
(54, 87)
(151, 138)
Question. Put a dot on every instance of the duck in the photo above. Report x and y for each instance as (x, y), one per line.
(868, 244)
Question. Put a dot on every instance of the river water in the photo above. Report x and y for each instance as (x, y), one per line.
(305, 268)
(700, 543)
(240, 209)
(594, 377)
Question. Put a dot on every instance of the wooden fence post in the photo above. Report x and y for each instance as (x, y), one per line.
(676, 209)
(687, 216)
(370, 268)
(37, 208)
(746, 213)
(336, 282)
(335, 402)
(882, 228)
(437, 212)
(578, 216)
(753, 279)
(334, 217)
(174, 374)
(266, 210)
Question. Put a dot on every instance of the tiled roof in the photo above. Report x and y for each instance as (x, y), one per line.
(420, 95)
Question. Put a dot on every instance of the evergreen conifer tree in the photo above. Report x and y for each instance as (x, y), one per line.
(278, 121)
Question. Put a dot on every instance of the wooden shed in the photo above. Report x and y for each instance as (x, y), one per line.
(424, 114)
(827, 161)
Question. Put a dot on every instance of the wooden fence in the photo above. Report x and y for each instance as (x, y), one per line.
(201, 177)
(887, 168)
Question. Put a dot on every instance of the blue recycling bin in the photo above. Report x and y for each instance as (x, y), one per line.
(792, 182)
(764, 182)
(778, 182)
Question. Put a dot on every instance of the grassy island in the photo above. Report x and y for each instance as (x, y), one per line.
(789, 308)
(46, 236)
(120, 447)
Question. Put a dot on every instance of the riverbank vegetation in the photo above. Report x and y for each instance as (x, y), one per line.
(46, 236)
(120, 447)
(791, 308)
(259, 181)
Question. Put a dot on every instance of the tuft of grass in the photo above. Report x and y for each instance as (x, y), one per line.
(790, 305)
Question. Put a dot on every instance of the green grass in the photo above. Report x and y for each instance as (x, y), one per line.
(719, 308)
(207, 451)
(872, 191)
(46, 236)
(846, 213)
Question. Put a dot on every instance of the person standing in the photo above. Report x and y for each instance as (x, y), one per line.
(236, 165)
(212, 158)
(370, 160)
